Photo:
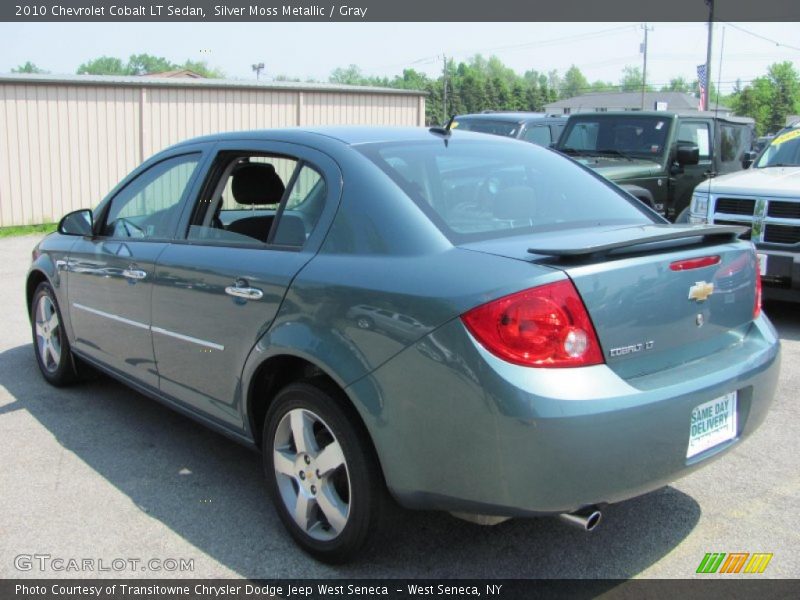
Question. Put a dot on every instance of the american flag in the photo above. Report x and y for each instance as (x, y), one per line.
(701, 76)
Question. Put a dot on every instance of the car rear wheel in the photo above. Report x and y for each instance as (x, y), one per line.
(321, 472)
(50, 343)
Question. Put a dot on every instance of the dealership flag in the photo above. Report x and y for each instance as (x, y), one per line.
(701, 76)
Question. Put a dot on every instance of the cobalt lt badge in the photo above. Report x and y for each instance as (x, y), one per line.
(700, 291)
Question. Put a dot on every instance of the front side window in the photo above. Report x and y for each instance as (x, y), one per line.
(480, 189)
(697, 133)
(150, 205)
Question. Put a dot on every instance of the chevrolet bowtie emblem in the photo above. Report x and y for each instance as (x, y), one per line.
(700, 291)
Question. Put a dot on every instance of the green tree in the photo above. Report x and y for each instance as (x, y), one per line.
(201, 68)
(143, 64)
(350, 75)
(28, 67)
(770, 99)
(603, 86)
(632, 79)
(105, 65)
(574, 83)
(785, 94)
(677, 84)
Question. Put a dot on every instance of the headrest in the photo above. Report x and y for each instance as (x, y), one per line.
(257, 183)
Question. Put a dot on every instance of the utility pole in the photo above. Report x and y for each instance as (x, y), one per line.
(644, 64)
(710, 4)
(444, 96)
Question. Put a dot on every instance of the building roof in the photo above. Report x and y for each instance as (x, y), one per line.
(629, 100)
(140, 81)
(175, 73)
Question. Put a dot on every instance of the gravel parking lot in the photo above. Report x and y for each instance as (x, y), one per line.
(98, 471)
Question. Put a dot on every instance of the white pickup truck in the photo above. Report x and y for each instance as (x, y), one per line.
(765, 198)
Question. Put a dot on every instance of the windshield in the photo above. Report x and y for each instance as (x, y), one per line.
(641, 136)
(784, 151)
(481, 189)
(498, 127)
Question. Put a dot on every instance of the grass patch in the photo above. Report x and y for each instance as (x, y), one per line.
(27, 229)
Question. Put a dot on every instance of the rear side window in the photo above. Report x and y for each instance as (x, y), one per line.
(482, 189)
(538, 134)
(259, 200)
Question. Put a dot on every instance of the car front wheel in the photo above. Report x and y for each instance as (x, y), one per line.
(321, 472)
(50, 342)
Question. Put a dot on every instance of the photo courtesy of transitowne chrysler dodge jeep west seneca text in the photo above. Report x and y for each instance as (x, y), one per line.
(413, 315)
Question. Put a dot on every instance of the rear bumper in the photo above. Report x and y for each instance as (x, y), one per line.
(782, 281)
(458, 429)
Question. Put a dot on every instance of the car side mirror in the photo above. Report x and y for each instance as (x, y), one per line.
(688, 154)
(748, 158)
(78, 222)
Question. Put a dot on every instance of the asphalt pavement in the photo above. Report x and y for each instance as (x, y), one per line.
(98, 472)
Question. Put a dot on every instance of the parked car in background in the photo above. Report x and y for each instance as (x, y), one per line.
(766, 199)
(538, 128)
(460, 321)
(659, 157)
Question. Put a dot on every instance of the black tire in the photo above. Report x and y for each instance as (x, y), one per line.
(50, 344)
(354, 489)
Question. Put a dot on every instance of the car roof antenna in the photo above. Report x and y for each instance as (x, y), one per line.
(444, 131)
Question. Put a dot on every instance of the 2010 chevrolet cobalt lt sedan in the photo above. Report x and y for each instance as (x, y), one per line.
(459, 322)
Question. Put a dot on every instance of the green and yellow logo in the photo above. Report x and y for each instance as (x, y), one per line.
(734, 562)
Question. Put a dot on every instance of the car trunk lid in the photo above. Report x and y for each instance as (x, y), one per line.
(653, 305)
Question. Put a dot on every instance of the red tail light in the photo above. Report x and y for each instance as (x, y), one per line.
(545, 326)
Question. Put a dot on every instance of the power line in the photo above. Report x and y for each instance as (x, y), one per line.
(761, 37)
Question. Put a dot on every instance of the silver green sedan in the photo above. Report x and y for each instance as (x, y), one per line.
(443, 319)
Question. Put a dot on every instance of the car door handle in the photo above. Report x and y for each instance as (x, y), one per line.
(136, 274)
(248, 293)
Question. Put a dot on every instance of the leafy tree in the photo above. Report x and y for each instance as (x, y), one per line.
(603, 86)
(142, 64)
(785, 83)
(632, 79)
(201, 68)
(350, 75)
(105, 65)
(574, 83)
(28, 67)
(771, 98)
(677, 84)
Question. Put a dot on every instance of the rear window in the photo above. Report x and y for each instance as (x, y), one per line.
(481, 189)
(499, 127)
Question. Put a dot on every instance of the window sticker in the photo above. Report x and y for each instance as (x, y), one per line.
(789, 135)
(702, 140)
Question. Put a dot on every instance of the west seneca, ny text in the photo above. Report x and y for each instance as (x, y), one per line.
(218, 11)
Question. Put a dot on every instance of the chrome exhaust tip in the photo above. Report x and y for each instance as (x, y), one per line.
(586, 518)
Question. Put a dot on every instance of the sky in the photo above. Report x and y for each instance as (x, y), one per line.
(313, 50)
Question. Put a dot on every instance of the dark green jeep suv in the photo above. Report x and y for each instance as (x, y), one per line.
(659, 157)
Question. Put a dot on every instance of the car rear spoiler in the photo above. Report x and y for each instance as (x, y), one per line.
(626, 237)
